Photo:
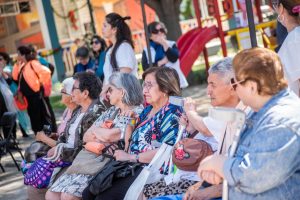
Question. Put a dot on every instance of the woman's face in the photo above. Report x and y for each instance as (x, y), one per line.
(115, 95)
(66, 98)
(21, 58)
(244, 91)
(151, 90)
(107, 30)
(78, 96)
(96, 44)
(158, 32)
(2, 62)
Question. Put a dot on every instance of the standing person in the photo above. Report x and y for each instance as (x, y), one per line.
(289, 16)
(99, 52)
(270, 137)
(164, 52)
(6, 73)
(34, 81)
(120, 56)
(85, 63)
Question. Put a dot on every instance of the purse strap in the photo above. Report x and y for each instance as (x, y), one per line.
(222, 145)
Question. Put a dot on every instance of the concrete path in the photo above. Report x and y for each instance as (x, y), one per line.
(11, 182)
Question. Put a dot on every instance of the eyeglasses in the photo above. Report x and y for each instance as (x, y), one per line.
(148, 85)
(64, 92)
(95, 42)
(75, 88)
(156, 31)
(235, 83)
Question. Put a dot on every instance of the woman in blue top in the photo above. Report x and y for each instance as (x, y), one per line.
(99, 50)
(266, 164)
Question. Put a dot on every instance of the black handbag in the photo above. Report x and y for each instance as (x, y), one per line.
(35, 151)
(111, 171)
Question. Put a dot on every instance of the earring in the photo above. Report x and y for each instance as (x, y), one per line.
(280, 18)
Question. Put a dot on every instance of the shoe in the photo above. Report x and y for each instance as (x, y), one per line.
(25, 136)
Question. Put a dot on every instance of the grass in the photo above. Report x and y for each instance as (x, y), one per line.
(56, 103)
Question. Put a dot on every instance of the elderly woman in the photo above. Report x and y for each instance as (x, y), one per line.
(157, 124)
(85, 92)
(87, 163)
(66, 99)
(270, 136)
(289, 16)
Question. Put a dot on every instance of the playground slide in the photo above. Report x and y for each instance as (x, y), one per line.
(192, 43)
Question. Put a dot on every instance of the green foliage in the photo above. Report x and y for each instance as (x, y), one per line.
(187, 10)
(56, 103)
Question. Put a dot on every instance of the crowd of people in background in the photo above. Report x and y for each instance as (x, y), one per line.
(114, 126)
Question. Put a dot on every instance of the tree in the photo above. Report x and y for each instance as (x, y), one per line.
(168, 12)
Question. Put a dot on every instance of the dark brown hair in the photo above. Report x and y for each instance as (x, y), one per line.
(166, 78)
(289, 5)
(262, 66)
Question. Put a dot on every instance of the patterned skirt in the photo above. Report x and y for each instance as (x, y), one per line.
(40, 172)
(160, 188)
(73, 184)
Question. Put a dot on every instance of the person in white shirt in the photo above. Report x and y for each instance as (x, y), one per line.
(289, 16)
(120, 55)
(216, 133)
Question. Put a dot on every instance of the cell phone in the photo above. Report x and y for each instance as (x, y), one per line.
(176, 100)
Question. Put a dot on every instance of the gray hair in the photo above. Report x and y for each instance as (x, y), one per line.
(223, 68)
(131, 86)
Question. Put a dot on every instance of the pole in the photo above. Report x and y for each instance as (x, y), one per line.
(146, 32)
(91, 16)
(251, 23)
(50, 36)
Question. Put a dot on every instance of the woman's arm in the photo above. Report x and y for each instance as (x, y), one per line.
(125, 69)
(42, 137)
(172, 53)
(144, 157)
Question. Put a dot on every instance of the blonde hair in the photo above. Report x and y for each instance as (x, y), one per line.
(262, 66)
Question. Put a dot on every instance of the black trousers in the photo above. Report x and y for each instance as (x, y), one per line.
(37, 112)
(116, 192)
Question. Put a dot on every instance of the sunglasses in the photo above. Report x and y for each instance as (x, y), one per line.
(156, 31)
(95, 42)
(234, 83)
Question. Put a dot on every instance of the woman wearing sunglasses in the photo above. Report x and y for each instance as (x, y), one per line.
(98, 47)
(163, 52)
(266, 164)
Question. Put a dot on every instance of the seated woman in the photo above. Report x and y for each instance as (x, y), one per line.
(270, 136)
(164, 52)
(157, 124)
(85, 92)
(87, 164)
(66, 99)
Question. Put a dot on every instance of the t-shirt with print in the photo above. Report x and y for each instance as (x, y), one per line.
(125, 57)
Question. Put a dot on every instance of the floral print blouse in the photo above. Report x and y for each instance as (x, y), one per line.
(161, 128)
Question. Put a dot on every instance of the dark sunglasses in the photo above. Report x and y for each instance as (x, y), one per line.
(156, 31)
(95, 42)
(235, 83)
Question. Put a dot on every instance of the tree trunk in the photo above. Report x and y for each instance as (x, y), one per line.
(168, 13)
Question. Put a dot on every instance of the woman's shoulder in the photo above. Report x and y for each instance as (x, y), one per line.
(125, 46)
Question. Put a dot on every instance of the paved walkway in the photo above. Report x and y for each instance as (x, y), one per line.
(11, 182)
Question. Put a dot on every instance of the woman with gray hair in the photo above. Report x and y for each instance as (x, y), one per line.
(126, 97)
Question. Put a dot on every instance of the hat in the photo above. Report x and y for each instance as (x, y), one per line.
(68, 85)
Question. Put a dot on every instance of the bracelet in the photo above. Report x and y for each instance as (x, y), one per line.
(137, 156)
